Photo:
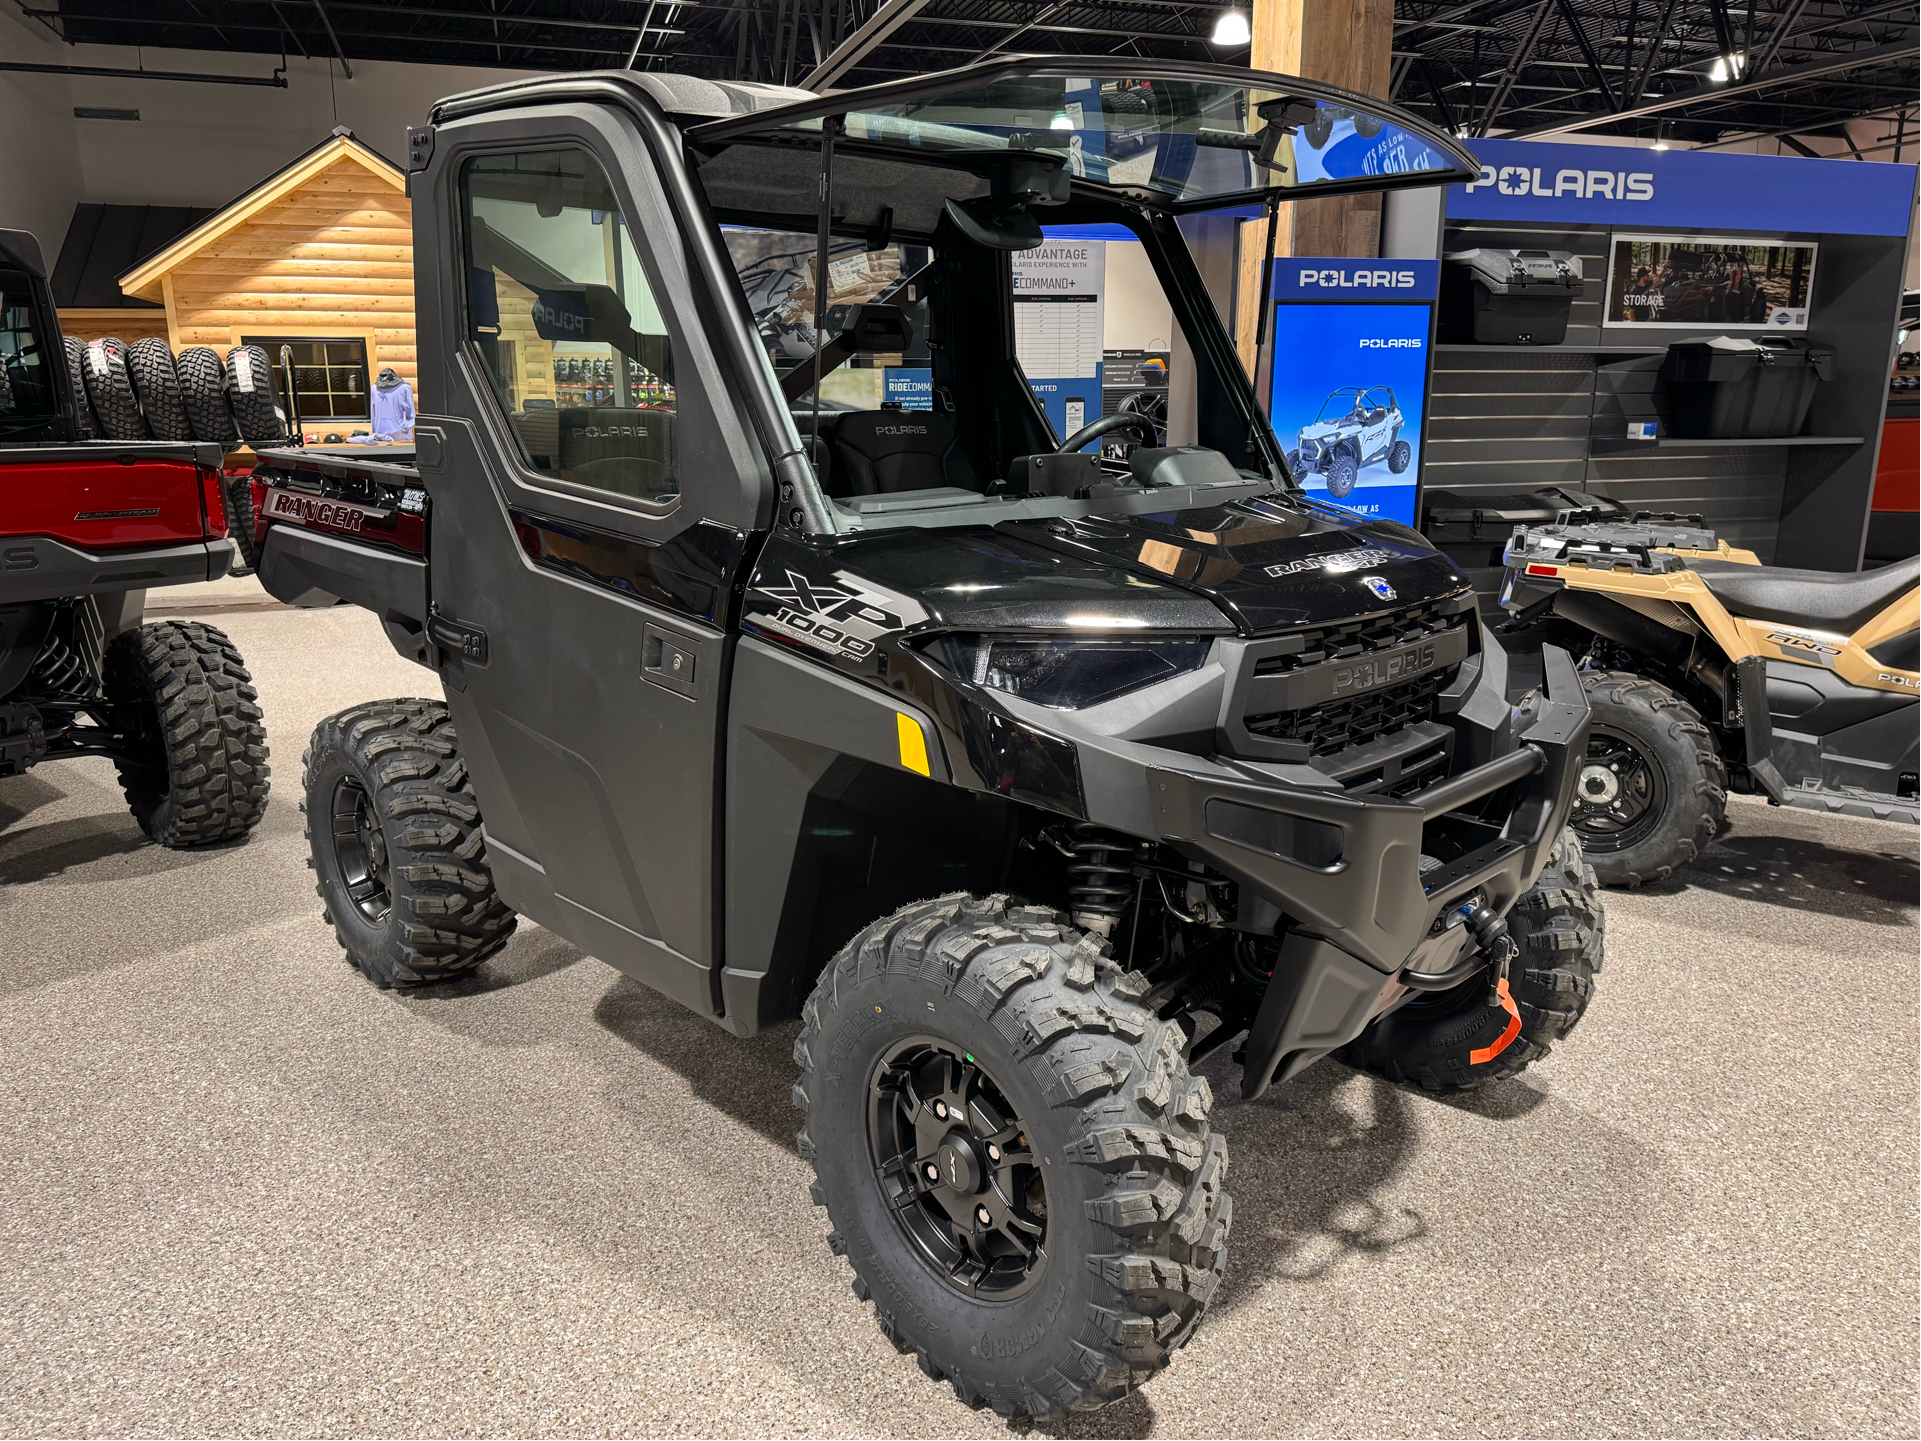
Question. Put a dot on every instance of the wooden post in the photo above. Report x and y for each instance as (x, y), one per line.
(1349, 43)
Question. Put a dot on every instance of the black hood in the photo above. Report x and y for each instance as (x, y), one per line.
(1269, 564)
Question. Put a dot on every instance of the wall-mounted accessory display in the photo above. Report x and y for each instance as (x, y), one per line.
(1349, 379)
(1735, 387)
(1496, 296)
(1686, 282)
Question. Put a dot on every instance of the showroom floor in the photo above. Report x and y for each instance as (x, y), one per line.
(246, 1193)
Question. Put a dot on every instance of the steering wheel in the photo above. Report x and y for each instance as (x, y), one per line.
(1119, 420)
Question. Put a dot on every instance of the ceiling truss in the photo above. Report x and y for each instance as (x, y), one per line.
(1700, 71)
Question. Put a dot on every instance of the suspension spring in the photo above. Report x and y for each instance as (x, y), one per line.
(60, 671)
(1100, 873)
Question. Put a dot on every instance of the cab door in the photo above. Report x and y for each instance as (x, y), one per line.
(591, 504)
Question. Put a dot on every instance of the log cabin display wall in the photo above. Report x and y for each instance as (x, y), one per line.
(319, 255)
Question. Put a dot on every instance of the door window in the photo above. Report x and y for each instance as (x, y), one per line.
(26, 391)
(566, 325)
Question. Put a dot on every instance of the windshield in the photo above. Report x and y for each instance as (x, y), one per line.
(1339, 406)
(943, 374)
(1175, 137)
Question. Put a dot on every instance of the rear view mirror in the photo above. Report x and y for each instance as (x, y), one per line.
(1013, 229)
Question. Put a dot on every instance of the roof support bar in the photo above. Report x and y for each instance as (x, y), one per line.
(1012, 35)
(862, 43)
(1522, 54)
(1827, 65)
(1789, 18)
(321, 11)
(1632, 98)
(1587, 54)
(278, 81)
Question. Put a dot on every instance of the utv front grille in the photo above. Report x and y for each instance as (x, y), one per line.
(1354, 638)
(1342, 697)
(1338, 724)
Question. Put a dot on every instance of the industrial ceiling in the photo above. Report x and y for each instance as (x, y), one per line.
(1699, 71)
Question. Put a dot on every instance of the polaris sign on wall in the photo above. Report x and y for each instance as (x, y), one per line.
(1349, 383)
(1639, 189)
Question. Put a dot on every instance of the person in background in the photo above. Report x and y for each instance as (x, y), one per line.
(393, 408)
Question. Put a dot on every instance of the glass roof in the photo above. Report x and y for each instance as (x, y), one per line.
(1179, 135)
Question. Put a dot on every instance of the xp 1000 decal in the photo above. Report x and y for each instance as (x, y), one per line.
(831, 611)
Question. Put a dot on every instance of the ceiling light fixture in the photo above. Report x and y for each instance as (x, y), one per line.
(1660, 137)
(1232, 29)
(1727, 67)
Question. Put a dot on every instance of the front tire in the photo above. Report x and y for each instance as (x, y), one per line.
(196, 771)
(1652, 788)
(1342, 473)
(1072, 1229)
(396, 845)
(1440, 1041)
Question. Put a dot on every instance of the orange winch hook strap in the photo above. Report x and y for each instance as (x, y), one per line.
(1487, 1053)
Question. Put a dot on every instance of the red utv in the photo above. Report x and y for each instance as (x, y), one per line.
(87, 527)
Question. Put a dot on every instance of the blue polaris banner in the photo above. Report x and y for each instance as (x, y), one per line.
(1610, 185)
(1308, 278)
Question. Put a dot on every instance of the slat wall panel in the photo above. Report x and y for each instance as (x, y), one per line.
(1506, 420)
(1503, 420)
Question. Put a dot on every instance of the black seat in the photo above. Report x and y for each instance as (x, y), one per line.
(1827, 599)
(881, 452)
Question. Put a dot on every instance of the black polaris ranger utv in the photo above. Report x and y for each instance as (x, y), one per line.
(1025, 777)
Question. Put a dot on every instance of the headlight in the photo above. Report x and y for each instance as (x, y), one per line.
(1069, 673)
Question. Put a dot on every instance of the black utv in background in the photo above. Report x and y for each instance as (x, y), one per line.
(1024, 777)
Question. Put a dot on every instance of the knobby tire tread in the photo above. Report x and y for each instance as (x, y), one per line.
(1074, 1018)
(446, 917)
(210, 741)
(1697, 800)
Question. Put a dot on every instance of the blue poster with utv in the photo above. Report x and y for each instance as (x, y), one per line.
(1349, 396)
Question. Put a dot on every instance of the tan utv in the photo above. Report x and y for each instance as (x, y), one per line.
(1708, 672)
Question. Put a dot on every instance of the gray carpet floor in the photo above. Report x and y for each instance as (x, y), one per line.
(245, 1193)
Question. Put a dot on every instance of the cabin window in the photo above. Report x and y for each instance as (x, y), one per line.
(26, 387)
(329, 376)
(565, 324)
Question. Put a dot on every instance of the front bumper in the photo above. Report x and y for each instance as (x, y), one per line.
(1348, 868)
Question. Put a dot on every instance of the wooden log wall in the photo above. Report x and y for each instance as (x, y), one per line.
(331, 259)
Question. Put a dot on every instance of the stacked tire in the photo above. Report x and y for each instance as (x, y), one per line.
(144, 392)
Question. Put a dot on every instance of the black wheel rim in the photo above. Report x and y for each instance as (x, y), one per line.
(360, 851)
(955, 1169)
(1619, 793)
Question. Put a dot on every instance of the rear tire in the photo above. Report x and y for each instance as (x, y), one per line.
(199, 772)
(110, 389)
(203, 393)
(1400, 456)
(84, 418)
(1430, 1042)
(157, 388)
(1652, 789)
(236, 498)
(1068, 1067)
(1342, 473)
(250, 393)
(396, 846)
